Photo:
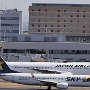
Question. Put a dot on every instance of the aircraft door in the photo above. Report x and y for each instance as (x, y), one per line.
(13, 78)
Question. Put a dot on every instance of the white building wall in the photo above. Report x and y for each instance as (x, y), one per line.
(20, 23)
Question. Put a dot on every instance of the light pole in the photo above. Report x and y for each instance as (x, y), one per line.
(62, 31)
(31, 29)
(0, 28)
(46, 30)
(4, 35)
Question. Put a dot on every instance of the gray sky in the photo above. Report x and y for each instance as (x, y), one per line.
(23, 5)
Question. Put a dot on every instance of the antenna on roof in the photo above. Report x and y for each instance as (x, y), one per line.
(1, 5)
(15, 3)
(5, 8)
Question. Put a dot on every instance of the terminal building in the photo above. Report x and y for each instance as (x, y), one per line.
(53, 45)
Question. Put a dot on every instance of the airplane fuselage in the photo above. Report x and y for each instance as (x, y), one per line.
(74, 68)
(72, 80)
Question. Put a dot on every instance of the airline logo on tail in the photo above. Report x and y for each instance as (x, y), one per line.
(4, 67)
(1, 65)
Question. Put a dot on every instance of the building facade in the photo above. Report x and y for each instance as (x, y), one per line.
(50, 45)
(39, 37)
(73, 20)
(11, 22)
(55, 50)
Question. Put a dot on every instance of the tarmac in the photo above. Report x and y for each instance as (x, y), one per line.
(5, 85)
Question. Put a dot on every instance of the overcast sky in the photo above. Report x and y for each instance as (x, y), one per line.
(23, 5)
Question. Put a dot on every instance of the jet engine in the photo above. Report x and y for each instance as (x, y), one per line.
(62, 85)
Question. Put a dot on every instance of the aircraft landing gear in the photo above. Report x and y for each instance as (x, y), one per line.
(49, 88)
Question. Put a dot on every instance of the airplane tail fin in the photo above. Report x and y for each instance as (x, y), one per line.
(4, 67)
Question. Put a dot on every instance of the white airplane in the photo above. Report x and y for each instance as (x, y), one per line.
(58, 80)
(51, 67)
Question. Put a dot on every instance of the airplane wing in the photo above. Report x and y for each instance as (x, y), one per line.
(45, 82)
(61, 85)
(51, 71)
